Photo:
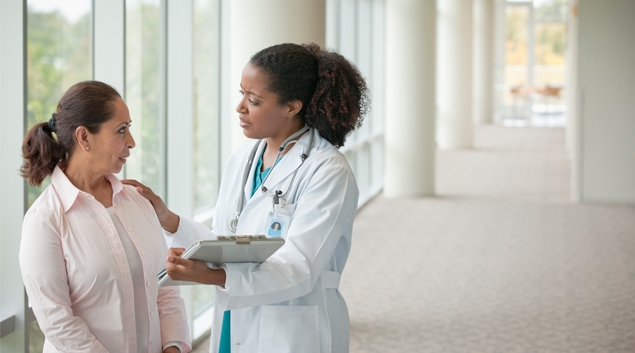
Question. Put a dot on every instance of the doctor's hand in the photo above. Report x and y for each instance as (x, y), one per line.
(169, 220)
(180, 269)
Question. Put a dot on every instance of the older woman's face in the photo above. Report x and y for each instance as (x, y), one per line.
(111, 145)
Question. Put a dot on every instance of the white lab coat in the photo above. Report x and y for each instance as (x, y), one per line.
(291, 302)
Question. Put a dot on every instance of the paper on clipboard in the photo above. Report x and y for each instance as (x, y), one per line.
(226, 249)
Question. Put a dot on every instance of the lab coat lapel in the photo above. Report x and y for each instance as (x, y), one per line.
(285, 167)
(291, 161)
(249, 185)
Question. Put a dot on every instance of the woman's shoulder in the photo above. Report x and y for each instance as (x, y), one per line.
(46, 211)
(48, 202)
(137, 198)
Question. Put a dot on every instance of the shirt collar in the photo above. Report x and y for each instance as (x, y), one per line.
(68, 193)
(117, 185)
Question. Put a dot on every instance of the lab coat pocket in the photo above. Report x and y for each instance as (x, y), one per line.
(289, 329)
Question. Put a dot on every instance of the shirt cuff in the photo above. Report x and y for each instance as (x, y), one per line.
(176, 344)
(224, 288)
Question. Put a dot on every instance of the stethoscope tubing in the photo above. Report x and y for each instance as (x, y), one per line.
(233, 224)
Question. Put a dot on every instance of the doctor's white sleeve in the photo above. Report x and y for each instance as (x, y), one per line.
(188, 232)
(324, 212)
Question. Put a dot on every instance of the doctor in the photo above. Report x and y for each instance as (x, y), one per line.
(299, 102)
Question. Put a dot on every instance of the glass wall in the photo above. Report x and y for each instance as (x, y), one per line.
(206, 104)
(550, 33)
(59, 54)
(60, 49)
(517, 24)
(355, 28)
(145, 92)
(206, 134)
(535, 44)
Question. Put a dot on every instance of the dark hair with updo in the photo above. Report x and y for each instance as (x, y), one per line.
(333, 93)
(88, 104)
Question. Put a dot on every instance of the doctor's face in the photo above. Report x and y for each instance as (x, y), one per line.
(260, 114)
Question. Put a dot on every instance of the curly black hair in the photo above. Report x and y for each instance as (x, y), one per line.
(333, 92)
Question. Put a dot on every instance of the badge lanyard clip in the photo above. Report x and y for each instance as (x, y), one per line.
(276, 197)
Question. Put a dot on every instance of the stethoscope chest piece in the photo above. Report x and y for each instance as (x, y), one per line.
(233, 224)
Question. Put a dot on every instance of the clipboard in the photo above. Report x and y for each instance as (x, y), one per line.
(226, 249)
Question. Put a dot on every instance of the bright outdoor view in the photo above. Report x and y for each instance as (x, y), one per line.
(59, 54)
(535, 68)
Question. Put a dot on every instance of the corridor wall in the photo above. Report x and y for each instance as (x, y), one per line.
(605, 118)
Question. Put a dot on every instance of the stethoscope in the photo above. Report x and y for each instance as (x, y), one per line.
(233, 224)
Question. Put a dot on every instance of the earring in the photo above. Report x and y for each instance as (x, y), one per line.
(87, 148)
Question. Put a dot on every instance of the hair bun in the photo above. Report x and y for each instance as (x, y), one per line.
(50, 127)
(313, 48)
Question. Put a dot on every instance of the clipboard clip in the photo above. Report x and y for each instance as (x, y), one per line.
(243, 239)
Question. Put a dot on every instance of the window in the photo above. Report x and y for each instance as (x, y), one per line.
(206, 104)
(59, 54)
(550, 35)
(144, 93)
(534, 70)
(206, 147)
(355, 29)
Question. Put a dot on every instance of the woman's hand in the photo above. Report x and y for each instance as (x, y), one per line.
(179, 269)
(172, 349)
(169, 220)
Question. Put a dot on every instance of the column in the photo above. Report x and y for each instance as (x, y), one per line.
(109, 43)
(180, 117)
(180, 106)
(573, 136)
(13, 334)
(483, 87)
(410, 98)
(605, 143)
(257, 24)
(109, 40)
(454, 74)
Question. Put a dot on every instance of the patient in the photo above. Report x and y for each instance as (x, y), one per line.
(91, 247)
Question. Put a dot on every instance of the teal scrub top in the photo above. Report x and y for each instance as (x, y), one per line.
(225, 334)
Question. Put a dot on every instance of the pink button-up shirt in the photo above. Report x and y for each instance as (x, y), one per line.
(77, 276)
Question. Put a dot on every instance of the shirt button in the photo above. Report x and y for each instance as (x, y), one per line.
(115, 205)
(147, 284)
(143, 253)
(129, 229)
(152, 313)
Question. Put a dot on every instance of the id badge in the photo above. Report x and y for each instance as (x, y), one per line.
(277, 222)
